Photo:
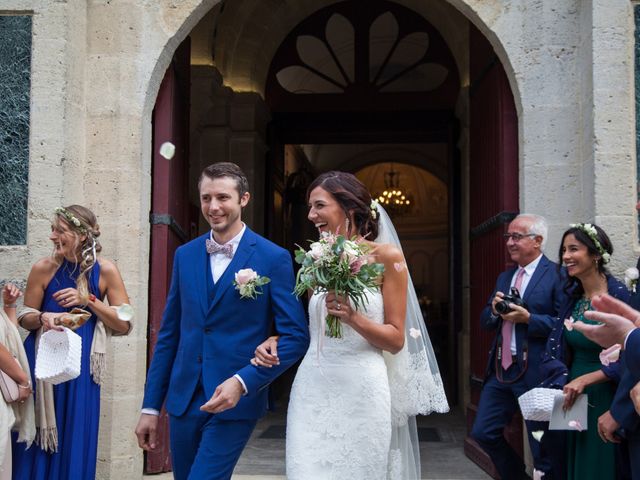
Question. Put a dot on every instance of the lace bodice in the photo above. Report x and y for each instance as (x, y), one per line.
(352, 346)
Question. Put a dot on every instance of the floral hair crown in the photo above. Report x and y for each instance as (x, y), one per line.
(374, 209)
(592, 233)
(72, 219)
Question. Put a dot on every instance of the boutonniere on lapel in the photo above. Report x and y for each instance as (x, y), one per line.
(631, 278)
(248, 283)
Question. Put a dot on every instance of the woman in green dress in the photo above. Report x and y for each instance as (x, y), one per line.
(585, 250)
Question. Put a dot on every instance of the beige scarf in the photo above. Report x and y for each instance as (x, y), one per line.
(47, 430)
(22, 413)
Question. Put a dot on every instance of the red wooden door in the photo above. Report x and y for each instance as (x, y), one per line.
(493, 203)
(170, 211)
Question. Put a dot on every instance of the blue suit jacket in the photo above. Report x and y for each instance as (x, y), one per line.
(622, 408)
(213, 339)
(543, 296)
(632, 353)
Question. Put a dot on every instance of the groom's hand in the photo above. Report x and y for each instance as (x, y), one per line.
(146, 432)
(226, 396)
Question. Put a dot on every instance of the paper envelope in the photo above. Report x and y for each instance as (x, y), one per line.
(574, 418)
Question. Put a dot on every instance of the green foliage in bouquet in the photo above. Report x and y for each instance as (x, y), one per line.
(337, 264)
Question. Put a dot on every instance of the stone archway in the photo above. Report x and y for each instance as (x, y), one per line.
(180, 31)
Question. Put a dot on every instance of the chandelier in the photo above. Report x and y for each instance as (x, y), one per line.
(393, 198)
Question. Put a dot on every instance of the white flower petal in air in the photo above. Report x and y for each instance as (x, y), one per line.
(537, 435)
(576, 424)
(415, 333)
(568, 323)
(125, 312)
(610, 355)
(168, 150)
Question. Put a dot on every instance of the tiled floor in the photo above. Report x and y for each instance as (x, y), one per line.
(263, 458)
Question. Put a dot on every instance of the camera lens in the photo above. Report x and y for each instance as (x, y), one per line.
(502, 307)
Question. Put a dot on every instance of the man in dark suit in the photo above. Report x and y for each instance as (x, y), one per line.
(210, 328)
(521, 336)
(621, 324)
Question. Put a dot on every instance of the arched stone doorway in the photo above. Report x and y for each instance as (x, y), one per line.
(257, 125)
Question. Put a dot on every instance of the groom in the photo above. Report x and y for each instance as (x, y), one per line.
(200, 366)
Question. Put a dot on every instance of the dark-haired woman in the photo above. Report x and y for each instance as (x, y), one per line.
(353, 403)
(67, 414)
(585, 250)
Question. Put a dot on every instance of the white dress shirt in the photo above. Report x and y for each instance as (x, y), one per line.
(528, 273)
(219, 261)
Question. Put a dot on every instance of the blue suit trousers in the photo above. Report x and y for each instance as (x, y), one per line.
(203, 447)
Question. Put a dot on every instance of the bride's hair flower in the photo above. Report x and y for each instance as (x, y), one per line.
(374, 208)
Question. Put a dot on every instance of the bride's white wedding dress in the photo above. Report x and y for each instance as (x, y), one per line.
(352, 413)
(339, 417)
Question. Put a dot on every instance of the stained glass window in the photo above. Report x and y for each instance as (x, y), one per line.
(15, 82)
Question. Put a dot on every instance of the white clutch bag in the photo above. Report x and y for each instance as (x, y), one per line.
(58, 356)
(537, 403)
(9, 388)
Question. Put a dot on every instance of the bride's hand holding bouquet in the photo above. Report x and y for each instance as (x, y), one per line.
(339, 307)
(341, 268)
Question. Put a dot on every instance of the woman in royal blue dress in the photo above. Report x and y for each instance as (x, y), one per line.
(67, 414)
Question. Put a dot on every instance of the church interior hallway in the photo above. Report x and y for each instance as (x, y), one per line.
(441, 450)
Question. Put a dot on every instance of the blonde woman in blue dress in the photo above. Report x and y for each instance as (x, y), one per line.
(68, 414)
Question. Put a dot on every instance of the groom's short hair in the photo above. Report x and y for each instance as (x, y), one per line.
(226, 169)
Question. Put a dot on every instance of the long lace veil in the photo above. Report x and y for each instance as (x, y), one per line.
(414, 378)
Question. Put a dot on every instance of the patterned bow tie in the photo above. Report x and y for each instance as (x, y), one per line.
(213, 247)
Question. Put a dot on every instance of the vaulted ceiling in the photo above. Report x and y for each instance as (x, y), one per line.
(241, 37)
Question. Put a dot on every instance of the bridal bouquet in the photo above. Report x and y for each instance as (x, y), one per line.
(335, 263)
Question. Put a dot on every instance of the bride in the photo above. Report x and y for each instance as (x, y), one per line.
(354, 399)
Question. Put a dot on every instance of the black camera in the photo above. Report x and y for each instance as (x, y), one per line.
(504, 306)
